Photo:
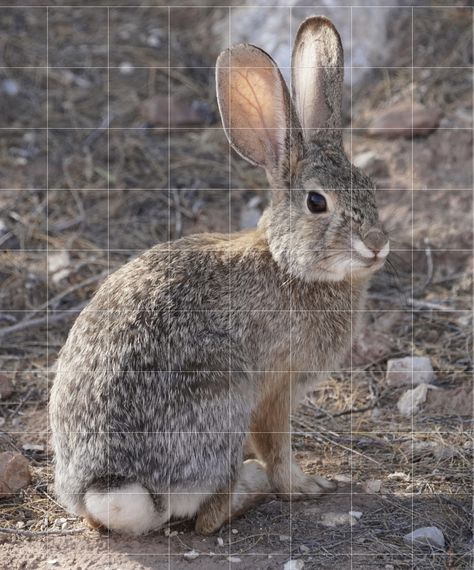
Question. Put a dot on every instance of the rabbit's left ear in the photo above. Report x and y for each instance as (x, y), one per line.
(256, 109)
(317, 78)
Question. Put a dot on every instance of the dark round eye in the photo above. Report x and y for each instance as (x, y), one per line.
(316, 203)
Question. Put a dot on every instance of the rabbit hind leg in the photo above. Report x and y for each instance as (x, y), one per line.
(250, 488)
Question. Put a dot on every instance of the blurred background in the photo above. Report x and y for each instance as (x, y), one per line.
(110, 142)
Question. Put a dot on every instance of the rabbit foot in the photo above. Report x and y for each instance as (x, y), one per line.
(303, 486)
(251, 488)
(213, 514)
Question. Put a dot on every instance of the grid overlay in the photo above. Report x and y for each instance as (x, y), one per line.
(231, 310)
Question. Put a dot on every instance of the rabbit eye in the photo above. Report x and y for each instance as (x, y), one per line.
(316, 203)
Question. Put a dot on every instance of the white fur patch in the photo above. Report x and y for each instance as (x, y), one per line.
(360, 247)
(128, 509)
(185, 505)
(385, 250)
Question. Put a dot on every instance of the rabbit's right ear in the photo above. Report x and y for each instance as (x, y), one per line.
(256, 109)
(317, 78)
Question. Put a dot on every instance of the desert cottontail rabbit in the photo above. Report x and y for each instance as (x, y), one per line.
(202, 345)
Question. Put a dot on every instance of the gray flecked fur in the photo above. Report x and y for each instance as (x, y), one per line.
(160, 374)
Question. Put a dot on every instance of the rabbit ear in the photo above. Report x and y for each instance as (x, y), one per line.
(255, 107)
(317, 77)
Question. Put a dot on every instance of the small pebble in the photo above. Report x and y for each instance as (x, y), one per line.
(235, 531)
(372, 486)
(126, 68)
(32, 447)
(10, 87)
(304, 549)
(428, 535)
(409, 370)
(234, 559)
(410, 402)
(355, 514)
(220, 541)
(294, 565)
(191, 555)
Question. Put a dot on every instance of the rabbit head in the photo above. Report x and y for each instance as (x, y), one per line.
(322, 222)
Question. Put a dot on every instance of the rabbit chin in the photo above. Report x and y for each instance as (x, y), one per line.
(340, 270)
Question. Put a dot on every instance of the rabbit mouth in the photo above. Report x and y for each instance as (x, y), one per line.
(361, 265)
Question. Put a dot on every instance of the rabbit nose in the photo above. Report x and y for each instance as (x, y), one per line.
(376, 240)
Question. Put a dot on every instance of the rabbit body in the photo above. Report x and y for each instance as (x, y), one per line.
(203, 345)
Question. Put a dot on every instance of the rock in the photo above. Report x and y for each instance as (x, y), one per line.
(304, 549)
(409, 370)
(58, 265)
(396, 121)
(332, 519)
(182, 112)
(356, 514)
(428, 535)
(32, 447)
(6, 386)
(10, 87)
(191, 555)
(294, 565)
(154, 38)
(234, 559)
(14, 473)
(372, 486)
(371, 164)
(409, 402)
(220, 541)
(126, 68)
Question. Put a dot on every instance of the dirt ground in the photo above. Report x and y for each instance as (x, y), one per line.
(114, 192)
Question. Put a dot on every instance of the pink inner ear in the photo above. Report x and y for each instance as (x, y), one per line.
(257, 106)
(254, 104)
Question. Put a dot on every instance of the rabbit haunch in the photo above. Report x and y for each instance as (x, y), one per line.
(198, 349)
